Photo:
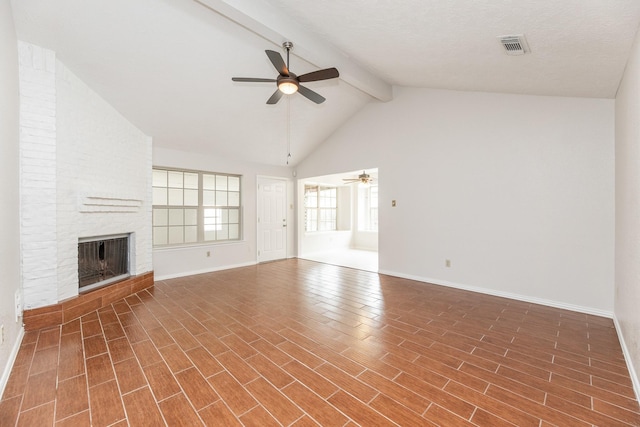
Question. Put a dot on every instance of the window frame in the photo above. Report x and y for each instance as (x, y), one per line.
(318, 210)
(231, 213)
(366, 209)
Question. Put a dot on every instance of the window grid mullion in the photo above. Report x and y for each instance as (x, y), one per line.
(200, 208)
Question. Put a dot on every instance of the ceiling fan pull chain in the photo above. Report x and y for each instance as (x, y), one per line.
(288, 126)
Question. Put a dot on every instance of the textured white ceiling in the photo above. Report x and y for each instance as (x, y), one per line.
(166, 65)
(578, 47)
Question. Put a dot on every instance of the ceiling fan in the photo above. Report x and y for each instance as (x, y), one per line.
(287, 82)
(363, 178)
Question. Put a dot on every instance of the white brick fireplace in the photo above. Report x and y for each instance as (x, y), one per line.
(85, 172)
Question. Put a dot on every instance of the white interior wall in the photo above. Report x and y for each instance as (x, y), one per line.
(365, 240)
(186, 260)
(627, 249)
(517, 191)
(9, 192)
(323, 241)
(344, 217)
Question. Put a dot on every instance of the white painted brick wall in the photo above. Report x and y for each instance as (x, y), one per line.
(37, 175)
(100, 154)
(95, 153)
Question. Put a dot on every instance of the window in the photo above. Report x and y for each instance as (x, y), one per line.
(195, 207)
(320, 206)
(368, 208)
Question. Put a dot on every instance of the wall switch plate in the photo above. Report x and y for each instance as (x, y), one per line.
(208, 254)
(393, 203)
(1, 334)
(447, 263)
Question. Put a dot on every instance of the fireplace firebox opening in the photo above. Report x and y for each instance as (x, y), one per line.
(102, 260)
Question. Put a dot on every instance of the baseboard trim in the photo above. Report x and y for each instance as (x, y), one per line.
(12, 359)
(628, 359)
(203, 271)
(518, 297)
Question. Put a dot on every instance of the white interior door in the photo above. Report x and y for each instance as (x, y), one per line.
(272, 219)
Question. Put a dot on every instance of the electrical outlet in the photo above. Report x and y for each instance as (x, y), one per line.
(393, 203)
(447, 263)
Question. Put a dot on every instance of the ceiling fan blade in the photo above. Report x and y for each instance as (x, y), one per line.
(275, 97)
(309, 94)
(327, 73)
(251, 79)
(278, 62)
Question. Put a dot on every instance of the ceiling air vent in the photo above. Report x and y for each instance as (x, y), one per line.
(514, 45)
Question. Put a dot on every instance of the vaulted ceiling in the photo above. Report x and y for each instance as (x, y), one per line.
(166, 65)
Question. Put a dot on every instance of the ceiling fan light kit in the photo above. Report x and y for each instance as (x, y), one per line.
(288, 85)
(287, 82)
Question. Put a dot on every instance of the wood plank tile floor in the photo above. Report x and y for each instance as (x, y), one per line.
(299, 343)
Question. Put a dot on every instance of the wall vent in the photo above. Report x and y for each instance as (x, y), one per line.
(515, 44)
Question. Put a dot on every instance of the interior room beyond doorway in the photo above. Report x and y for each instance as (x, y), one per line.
(339, 219)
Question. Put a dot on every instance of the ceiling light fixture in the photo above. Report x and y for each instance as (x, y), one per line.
(364, 177)
(288, 85)
(364, 184)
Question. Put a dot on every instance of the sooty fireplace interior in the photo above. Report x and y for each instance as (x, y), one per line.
(102, 260)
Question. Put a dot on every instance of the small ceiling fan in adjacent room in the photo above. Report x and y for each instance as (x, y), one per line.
(288, 83)
(363, 178)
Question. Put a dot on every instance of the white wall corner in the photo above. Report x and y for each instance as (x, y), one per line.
(633, 373)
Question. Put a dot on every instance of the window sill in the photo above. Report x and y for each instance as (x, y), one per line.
(198, 245)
